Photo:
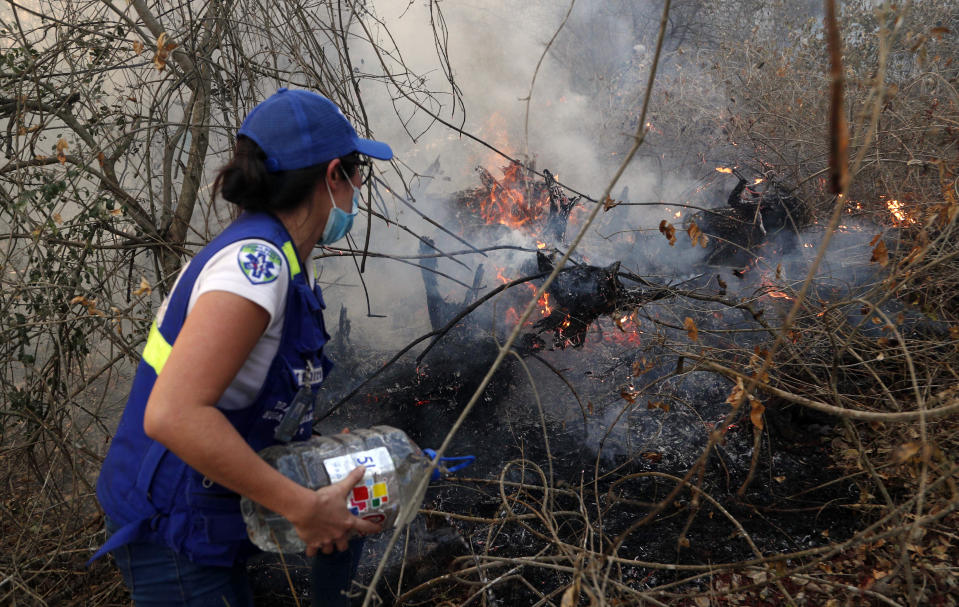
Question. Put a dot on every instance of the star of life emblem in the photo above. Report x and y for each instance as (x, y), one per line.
(260, 263)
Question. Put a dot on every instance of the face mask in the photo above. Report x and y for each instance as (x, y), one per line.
(339, 222)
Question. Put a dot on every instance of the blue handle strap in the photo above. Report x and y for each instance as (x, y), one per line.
(464, 461)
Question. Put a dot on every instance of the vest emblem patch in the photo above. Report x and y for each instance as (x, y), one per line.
(260, 263)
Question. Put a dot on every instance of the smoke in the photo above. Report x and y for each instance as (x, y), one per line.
(577, 123)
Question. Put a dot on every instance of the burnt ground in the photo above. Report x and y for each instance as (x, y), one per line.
(602, 457)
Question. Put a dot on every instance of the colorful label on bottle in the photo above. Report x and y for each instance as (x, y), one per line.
(369, 494)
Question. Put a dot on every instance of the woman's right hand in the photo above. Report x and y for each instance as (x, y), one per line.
(323, 521)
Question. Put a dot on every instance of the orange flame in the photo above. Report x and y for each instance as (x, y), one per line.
(507, 202)
(898, 213)
(724, 170)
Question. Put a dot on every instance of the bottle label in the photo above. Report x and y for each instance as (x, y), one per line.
(372, 493)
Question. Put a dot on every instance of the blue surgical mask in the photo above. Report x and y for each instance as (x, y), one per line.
(339, 222)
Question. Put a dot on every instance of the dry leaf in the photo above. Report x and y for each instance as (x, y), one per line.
(756, 410)
(696, 235)
(694, 232)
(629, 394)
(691, 329)
(939, 31)
(641, 366)
(137, 47)
(658, 405)
(880, 254)
(62, 146)
(57, 219)
(101, 158)
(653, 456)
(90, 304)
(609, 203)
(669, 231)
(735, 397)
(163, 51)
(905, 452)
(145, 288)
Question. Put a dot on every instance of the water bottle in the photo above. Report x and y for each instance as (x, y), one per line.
(393, 464)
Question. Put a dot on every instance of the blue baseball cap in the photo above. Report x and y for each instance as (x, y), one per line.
(298, 129)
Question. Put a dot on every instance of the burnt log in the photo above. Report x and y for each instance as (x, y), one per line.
(753, 216)
(560, 206)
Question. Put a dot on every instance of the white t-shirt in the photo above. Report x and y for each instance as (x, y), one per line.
(255, 270)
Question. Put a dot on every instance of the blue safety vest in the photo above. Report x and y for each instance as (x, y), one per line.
(149, 491)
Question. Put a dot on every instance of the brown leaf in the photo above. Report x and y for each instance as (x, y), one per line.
(736, 395)
(137, 47)
(162, 52)
(57, 219)
(62, 146)
(641, 366)
(669, 231)
(658, 405)
(694, 232)
(609, 203)
(722, 283)
(653, 456)
(144, 289)
(905, 452)
(756, 410)
(629, 394)
(939, 31)
(880, 254)
(691, 329)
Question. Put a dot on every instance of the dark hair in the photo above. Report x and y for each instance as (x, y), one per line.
(245, 182)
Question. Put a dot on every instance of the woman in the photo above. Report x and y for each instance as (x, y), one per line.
(239, 337)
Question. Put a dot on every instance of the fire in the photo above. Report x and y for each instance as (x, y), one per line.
(724, 170)
(540, 244)
(898, 213)
(678, 214)
(512, 201)
(758, 180)
(544, 307)
(770, 290)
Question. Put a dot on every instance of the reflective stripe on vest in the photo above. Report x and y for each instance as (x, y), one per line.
(291, 258)
(157, 349)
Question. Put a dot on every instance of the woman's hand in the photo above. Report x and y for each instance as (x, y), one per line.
(322, 520)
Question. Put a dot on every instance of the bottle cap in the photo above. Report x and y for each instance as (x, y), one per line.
(442, 470)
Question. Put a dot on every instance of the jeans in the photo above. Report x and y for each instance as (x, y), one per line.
(156, 576)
